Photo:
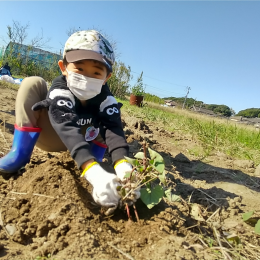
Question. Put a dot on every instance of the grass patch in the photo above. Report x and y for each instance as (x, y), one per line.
(214, 134)
(4, 84)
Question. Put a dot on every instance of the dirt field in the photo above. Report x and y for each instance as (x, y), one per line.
(47, 209)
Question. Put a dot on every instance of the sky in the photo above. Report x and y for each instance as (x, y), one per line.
(211, 48)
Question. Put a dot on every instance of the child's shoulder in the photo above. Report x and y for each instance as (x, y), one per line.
(59, 82)
(60, 78)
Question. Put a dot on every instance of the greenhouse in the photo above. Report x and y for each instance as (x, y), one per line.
(29, 53)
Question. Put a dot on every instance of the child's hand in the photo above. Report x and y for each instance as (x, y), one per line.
(104, 186)
(122, 167)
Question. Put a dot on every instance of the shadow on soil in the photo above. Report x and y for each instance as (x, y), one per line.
(9, 127)
(198, 170)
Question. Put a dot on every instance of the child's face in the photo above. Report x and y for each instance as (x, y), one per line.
(89, 68)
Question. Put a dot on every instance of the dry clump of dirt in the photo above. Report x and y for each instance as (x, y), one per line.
(47, 208)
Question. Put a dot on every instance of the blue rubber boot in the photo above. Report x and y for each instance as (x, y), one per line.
(98, 150)
(23, 143)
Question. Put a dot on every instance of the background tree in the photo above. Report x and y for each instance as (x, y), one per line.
(138, 89)
(218, 109)
(119, 81)
(18, 33)
(18, 50)
(233, 112)
(223, 110)
(153, 98)
(249, 112)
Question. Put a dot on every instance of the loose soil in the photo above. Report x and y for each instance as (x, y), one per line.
(46, 210)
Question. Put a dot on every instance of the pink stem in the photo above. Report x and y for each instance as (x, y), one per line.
(128, 212)
(136, 214)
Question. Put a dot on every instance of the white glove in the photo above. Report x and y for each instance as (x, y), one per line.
(104, 187)
(121, 168)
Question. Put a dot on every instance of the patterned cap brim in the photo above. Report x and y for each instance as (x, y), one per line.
(76, 55)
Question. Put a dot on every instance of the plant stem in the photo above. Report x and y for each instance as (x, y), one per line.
(130, 177)
(128, 211)
(145, 156)
(136, 214)
(137, 187)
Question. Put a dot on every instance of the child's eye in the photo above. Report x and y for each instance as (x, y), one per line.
(78, 69)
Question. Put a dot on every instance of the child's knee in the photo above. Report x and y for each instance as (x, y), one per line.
(34, 87)
(32, 81)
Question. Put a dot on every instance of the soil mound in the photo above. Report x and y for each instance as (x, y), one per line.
(49, 210)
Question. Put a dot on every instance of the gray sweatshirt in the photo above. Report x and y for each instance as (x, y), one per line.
(67, 116)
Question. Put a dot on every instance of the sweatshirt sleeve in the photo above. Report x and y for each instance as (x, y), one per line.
(111, 126)
(63, 117)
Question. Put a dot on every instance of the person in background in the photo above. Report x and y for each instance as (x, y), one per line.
(6, 70)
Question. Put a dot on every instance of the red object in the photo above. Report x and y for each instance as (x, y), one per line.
(91, 133)
(99, 144)
(136, 100)
(28, 129)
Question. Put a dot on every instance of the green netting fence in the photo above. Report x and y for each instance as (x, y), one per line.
(30, 53)
(27, 60)
(2, 49)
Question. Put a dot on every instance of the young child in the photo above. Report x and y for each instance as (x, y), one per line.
(78, 114)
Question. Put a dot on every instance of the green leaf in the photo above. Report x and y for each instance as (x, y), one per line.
(152, 197)
(162, 178)
(257, 227)
(158, 160)
(154, 155)
(172, 197)
(159, 166)
(123, 192)
(149, 168)
(234, 239)
(127, 175)
(140, 169)
(139, 155)
(252, 221)
(175, 197)
(134, 162)
(151, 162)
(246, 216)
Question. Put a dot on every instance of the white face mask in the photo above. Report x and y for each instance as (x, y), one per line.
(83, 87)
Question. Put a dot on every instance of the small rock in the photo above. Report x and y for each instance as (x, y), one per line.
(52, 216)
(244, 164)
(10, 229)
(216, 225)
(257, 171)
(229, 224)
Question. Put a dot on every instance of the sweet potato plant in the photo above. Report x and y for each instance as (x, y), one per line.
(148, 173)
